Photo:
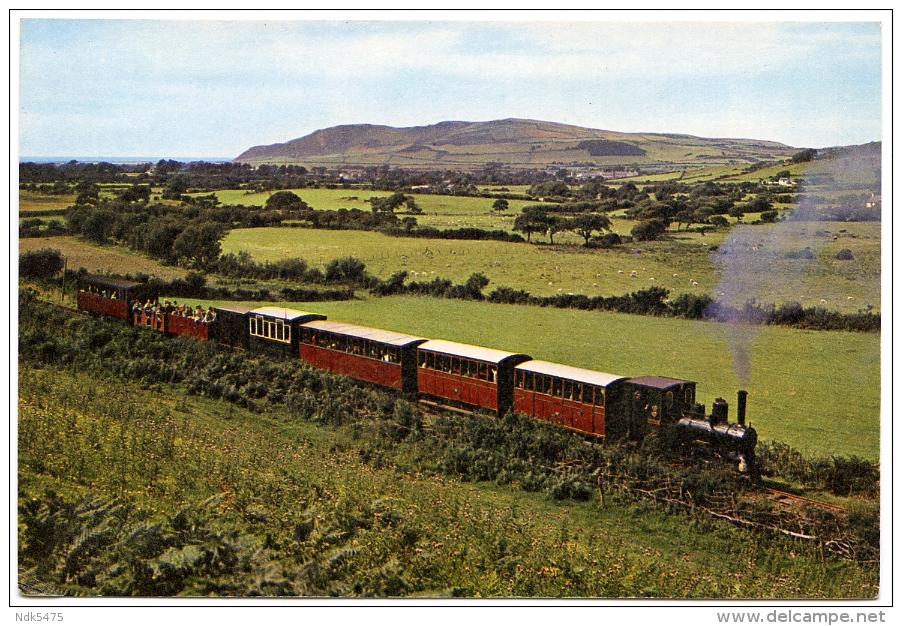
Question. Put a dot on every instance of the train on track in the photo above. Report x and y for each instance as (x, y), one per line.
(444, 372)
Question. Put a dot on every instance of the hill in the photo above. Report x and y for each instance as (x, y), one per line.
(515, 143)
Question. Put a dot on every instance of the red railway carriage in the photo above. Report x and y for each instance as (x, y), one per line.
(470, 375)
(377, 356)
(274, 330)
(187, 327)
(583, 400)
(111, 296)
(156, 321)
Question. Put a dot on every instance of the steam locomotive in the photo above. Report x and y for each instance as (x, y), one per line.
(448, 373)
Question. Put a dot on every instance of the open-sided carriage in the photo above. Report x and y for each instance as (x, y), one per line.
(112, 296)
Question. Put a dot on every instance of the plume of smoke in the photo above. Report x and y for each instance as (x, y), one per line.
(752, 257)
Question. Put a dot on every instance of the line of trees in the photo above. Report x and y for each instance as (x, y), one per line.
(536, 220)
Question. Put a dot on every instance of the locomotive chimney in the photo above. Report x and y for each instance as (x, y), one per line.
(740, 406)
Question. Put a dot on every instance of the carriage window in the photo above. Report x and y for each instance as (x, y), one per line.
(455, 365)
(530, 381)
(599, 395)
(668, 400)
(483, 371)
(587, 394)
(518, 380)
(556, 387)
(543, 383)
(271, 329)
(568, 390)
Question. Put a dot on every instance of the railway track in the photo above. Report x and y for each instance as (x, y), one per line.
(790, 499)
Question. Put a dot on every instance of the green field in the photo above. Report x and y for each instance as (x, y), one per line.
(759, 267)
(353, 198)
(816, 391)
(37, 202)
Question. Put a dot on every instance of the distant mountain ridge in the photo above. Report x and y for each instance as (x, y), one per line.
(517, 143)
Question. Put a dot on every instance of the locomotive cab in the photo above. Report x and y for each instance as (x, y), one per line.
(656, 400)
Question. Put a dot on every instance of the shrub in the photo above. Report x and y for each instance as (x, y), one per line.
(346, 270)
(40, 264)
(608, 240)
(650, 230)
(845, 255)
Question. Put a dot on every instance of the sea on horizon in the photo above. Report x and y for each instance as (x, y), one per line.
(119, 159)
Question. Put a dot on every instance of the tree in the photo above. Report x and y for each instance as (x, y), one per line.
(531, 220)
(474, 286)
(736, 212)
(761, 202)
(346, 270)
(96, 226)
(803, 156)
(781, 174)
(549, 189)
(650, 230)
(392, 202)
(412, 206)
(586, 224)
(718, 221)
(286, 200)
(500, 205)
(136, 193)
(88, 196)
(175, 188)
(684, 217)
(43, 263)
(156, 238)
(554, 224)
(769, 217)
(198, 246)
(594, 189)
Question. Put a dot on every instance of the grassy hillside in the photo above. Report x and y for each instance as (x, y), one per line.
(513, 142)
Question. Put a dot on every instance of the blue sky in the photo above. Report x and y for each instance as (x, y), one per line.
(127, 87)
